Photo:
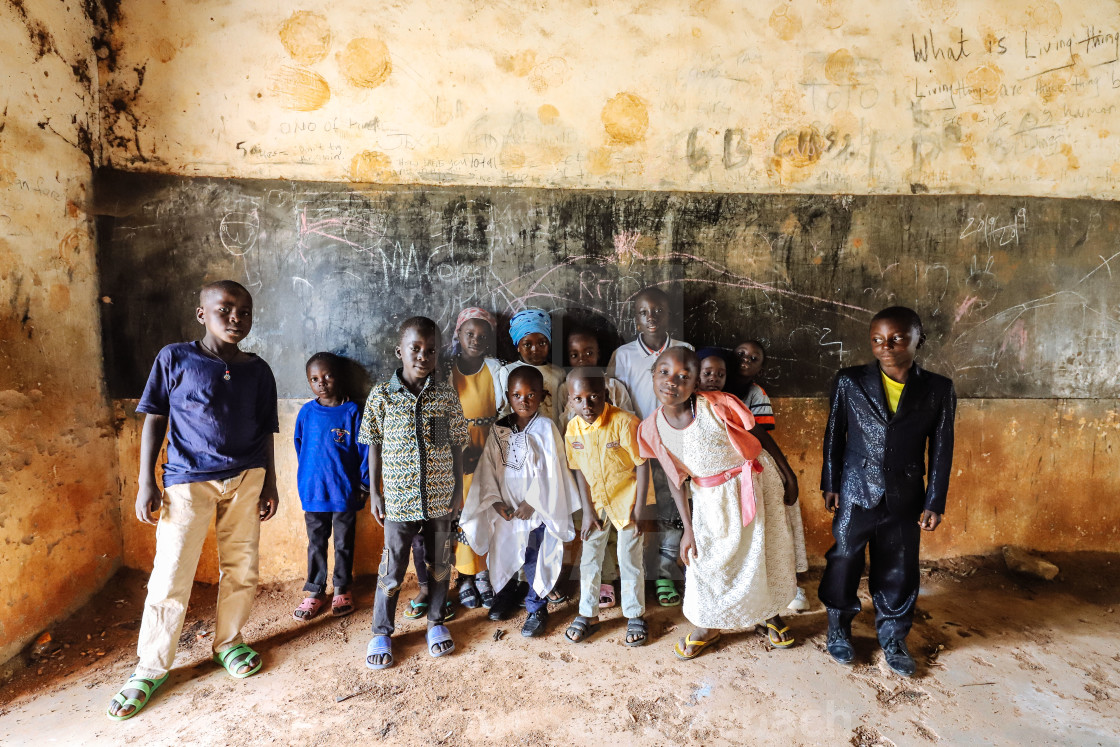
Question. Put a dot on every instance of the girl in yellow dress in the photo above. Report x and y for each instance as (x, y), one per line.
(475, 377)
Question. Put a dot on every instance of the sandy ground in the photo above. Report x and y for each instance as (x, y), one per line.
(1003, 659)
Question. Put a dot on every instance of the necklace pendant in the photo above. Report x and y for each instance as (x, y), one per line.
(226, 377)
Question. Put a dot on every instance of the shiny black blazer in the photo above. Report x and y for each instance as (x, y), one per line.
(868, 454)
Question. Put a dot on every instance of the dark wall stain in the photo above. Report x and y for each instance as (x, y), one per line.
(40, 37)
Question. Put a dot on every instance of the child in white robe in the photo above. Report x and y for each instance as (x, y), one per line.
(520, 505)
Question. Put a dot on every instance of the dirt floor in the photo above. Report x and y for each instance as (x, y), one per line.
(1003, 659)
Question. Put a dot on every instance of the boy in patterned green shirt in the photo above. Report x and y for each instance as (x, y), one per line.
(415, 430)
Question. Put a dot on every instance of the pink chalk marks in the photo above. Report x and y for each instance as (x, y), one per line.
(625, 245)
(1017, 340)
(965, 307)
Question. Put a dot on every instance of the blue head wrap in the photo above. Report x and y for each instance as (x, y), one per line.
(528, 321)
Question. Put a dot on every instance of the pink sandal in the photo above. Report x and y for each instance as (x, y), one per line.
(606, 595)
(310, 607)
(342, 604)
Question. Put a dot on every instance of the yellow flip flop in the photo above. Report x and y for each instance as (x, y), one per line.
(778, 643)
(700, 647)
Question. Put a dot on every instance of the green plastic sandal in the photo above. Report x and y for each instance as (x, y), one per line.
(232, 658)
(143, 684)
(667, 594)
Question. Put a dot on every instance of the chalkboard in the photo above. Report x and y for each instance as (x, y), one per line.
(1018, 294)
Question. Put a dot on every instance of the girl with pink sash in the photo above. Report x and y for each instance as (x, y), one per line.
(735, 546)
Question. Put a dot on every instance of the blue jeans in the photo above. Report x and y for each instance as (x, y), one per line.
(507, 597)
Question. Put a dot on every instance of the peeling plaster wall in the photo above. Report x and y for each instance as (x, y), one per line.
(59, 524)
(808, 96)
(874, 96)
(1012, 484)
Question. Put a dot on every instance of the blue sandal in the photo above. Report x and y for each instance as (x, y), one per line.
(439, 634)
(234, 658)
(379, 645)
(145, 685)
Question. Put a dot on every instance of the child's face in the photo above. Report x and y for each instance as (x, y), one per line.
(474, 338)
(583, 350)
(651, 316)
(751, 359)
(713, 374)
(322, 380)
(227, 316)
(674, 380)
(534, 349)
(587, 398)
(419, 353)
(894, 343)
(525, 397)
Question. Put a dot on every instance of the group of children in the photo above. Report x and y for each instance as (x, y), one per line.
(493, 468)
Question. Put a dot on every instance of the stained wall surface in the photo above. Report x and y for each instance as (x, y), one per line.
(1011, 484)
(849, 96)
(809, 96)
(59, 527)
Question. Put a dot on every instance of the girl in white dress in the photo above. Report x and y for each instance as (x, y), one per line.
(735, 544)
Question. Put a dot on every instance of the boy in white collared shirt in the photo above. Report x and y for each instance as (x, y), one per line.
(632, 364)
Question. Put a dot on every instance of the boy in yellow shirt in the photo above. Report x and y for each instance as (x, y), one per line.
(602, 448)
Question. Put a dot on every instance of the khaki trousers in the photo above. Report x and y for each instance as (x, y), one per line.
(183, 524)
(631, 547)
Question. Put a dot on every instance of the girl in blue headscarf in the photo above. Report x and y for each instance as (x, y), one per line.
(531, 332)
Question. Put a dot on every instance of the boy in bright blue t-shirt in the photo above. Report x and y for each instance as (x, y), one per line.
(333, 482)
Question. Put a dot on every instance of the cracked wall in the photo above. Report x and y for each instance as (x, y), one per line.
(808, 96)
(825, 96)
(59, 525)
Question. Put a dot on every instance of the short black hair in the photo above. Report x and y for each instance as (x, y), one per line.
(589, 374)
(581, 331)
(758, 344)
(684, 355)
(652, 292)
(903, 315)
(526, 372)
(421, 324)
(332, 361)
(229, 286)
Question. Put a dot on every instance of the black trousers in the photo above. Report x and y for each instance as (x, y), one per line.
(399, 535)
(892, 540)
(319, 526)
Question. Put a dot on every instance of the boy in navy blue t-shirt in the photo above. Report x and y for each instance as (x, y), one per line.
(217, 406)
(333, 481)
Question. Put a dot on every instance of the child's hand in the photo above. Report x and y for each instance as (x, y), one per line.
(523, 512)
(636, 521)
(929, 521)
(148, 501)
(831, 501)
(471, 455)
(270, 501)
(377, 507)
(590, 523)
(792, 491)
(504, 511)
(688, 547)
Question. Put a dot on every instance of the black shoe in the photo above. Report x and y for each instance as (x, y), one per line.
(839, 646)
(501, 610)
(839, 641)
(898, 657)
(534, 623)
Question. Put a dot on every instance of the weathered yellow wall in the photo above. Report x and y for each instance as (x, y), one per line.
(59, 528)
(1013, 483)
(1013, 96)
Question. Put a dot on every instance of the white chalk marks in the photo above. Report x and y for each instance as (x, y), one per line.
(239, 231)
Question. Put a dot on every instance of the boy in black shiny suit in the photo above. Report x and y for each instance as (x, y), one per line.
(883, 419)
